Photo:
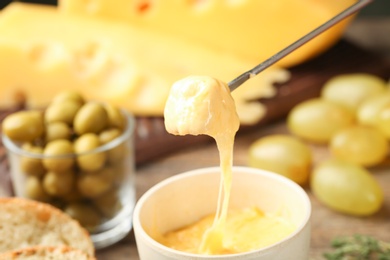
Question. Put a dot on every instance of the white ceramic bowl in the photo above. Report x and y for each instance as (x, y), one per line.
(185, 198)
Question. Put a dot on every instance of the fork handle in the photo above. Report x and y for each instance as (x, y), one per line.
(235, 83)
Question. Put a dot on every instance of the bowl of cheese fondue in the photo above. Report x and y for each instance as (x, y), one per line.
(221, 212)
(268, 217)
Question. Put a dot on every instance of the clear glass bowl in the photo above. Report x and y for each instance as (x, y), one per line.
(102, 200)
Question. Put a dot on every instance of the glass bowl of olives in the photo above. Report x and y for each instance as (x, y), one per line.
(78, 156)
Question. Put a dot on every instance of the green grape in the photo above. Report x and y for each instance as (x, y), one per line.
(317, 120)
(346, 187)
(351, 89)
(363, 145)
(382, 120)
(368, 110)
(282, 154)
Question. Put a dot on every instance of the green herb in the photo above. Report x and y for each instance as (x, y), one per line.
(358, 247)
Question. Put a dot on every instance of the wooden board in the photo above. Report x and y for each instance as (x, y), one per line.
(152, 141)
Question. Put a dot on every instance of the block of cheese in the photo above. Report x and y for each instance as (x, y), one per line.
(254, 29)
(43, 51)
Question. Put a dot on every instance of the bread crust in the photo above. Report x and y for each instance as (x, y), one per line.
(41, 224)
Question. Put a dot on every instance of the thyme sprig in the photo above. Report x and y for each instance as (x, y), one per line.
(358, 247)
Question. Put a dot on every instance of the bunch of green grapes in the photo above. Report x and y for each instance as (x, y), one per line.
(351, 117)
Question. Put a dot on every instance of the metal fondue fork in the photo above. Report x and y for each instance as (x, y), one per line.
(235, 83)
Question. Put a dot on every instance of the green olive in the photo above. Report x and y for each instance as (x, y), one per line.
(93, 185)
(115, 117)
(34, 189)
(73, 196)
(57, 130)
(30, 165)
(91, 161)
(69, 95)
(87, 215)
(109, 134)
(117, 154)
(91, 118)
(60, 147)
(24, 126)
(113, 175)
(109, 204)
(58, 183)
(62, 112)
(106, 173)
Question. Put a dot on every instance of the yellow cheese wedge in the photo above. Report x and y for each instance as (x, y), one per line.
(254, 29)
(43, 52)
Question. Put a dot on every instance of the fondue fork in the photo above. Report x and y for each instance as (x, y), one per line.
(235, 83)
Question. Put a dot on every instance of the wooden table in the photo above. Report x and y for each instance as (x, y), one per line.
(326, 224)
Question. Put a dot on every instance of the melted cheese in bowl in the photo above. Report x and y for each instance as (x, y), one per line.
(245, 230)
(203, 105)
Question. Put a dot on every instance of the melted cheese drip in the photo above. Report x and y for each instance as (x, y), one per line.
(203, 105)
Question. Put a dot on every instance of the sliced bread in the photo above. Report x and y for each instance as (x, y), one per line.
(26, 223)
(46, 253)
